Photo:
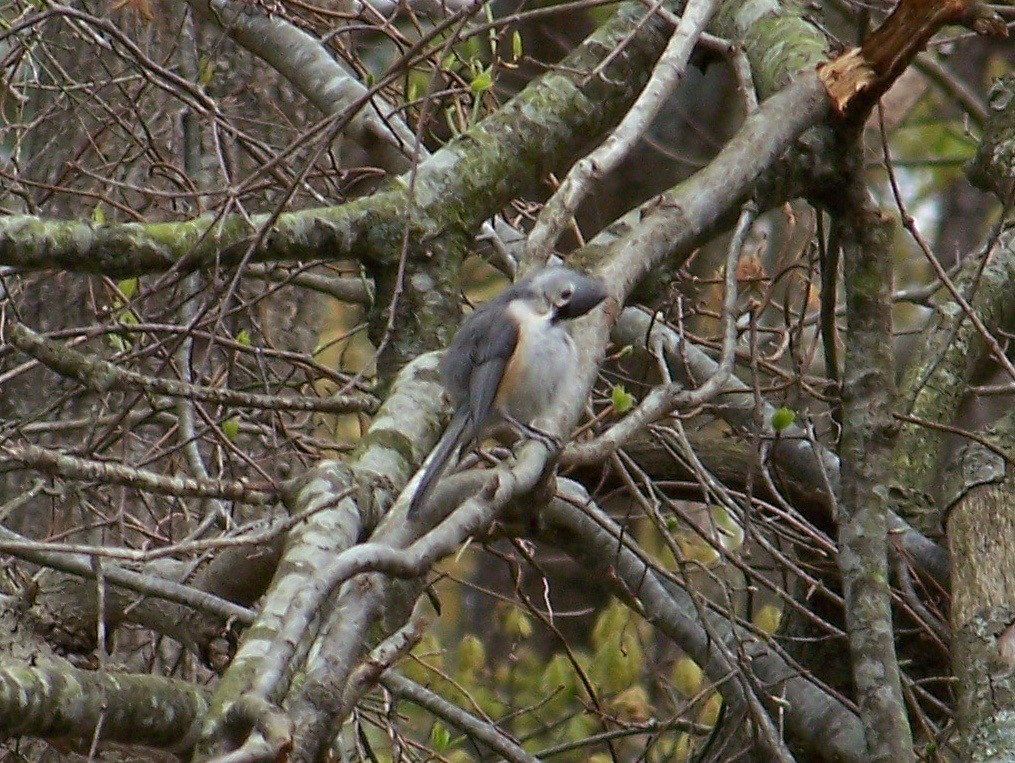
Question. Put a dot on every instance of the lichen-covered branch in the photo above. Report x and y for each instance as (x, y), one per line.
(460, 186)
(993, 168)
(951, 353)
(864, 449)
(405, 424)
(59, 702)
(977, 494)
(980, 536)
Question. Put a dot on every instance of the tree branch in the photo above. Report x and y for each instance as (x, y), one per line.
(63, 465)
(60, 702)
(600, 546)
(865, 445)
(102, 376)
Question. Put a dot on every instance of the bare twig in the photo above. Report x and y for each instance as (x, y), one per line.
(667, 398)
(102, 376)
(555, 216)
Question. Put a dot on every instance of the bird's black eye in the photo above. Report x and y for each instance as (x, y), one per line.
(566, 293)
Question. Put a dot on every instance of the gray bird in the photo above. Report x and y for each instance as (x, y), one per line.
(508, 361)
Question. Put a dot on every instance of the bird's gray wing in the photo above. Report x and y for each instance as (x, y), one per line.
(491, 356)
(472, 368)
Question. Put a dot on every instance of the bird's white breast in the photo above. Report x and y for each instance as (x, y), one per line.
(543, 359)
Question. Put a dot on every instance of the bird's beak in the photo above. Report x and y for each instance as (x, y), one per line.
(588, 293)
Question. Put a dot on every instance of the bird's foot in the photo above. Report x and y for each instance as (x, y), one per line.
(552, 442)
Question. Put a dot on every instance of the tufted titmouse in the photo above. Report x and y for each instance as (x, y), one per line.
(507, 363)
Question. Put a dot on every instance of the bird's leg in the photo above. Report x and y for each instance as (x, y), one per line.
(533, 433)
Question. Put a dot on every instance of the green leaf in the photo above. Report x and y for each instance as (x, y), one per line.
(482, 82)
(440, 737)
(686, 677)
(243, 337)
(618, 656)
(782, 418)
(517, 623)
(471, 654)
(365, 741)
(206, 73)
(128, 318)
(127, 287)
(710, 712)
(558, 679)
(622, 399)
(118, 343)
(231, 427)
(516, 45)
(768, 617)
(98, 215)
(616, 664)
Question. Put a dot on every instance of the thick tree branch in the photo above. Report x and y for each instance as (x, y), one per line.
(864, 449)
(951, 353)
(59, 702)
(452, 193)
(978, 500)
(858, 78)
(404, 425)
(993, 168)
(981, 532)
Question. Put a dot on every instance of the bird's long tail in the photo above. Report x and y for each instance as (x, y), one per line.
(438, 459)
